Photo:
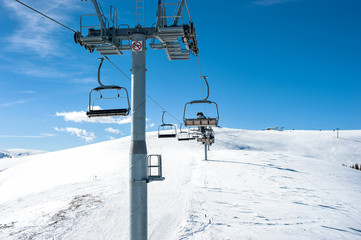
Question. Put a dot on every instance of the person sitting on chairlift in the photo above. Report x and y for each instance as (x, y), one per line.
(201, 116)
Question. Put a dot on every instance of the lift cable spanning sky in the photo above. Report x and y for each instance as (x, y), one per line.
(151, 98)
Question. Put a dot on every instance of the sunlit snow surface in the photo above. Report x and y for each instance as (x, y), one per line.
(256, 185)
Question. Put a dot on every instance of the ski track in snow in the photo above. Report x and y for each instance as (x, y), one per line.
(255, 185)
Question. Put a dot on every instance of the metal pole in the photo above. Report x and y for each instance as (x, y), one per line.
(205, 151)
(337, 131)
(138, 149)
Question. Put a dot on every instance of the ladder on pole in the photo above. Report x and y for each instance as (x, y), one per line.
(139, 12)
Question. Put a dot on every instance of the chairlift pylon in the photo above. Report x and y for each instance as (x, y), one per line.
(162, 129)
(201, 121)
(94, 112)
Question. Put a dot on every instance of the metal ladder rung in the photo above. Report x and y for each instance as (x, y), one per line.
(173, 44)
(169, 39)
(174, 35)
(178, 58)
(173, 51)
(108, 50)
(179, 53)
(139, 12)
(110, 53)
(92, 40)
(156, 45)
(105, 48)
(125, 47)
(171, 30)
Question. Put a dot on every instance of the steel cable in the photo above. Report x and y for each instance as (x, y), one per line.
(44, 15)
(152, 99)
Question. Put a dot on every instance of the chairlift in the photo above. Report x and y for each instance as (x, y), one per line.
(195, 133)
(120, 92)
(167, 130)
(207, 137)
(201, 122)
(184, 135)
(206, 140)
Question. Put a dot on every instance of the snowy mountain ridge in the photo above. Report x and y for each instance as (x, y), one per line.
(256, 185)
(4, 154)
(15, 153)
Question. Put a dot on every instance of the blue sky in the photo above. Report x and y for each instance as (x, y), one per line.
(291, 63)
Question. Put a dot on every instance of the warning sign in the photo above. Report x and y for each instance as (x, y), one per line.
(137, 46)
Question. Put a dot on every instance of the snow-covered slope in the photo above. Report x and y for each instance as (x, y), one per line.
(256, 185)
(15, 153)
(12, 157)
(4, 154)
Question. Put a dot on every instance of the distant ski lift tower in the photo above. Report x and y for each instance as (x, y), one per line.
(108, 38)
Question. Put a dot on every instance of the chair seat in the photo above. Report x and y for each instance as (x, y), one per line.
(184, 138)
(108, 112)
(167, 135)
(200, 122)
(205, 140)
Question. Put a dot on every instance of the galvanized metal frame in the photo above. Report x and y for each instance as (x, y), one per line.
(158, 166)
(109, 41)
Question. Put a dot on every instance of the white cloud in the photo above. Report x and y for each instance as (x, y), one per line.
(44, 33)
(84, 80)
(112, 130)
(8, 104)
(47, 134)
(29, 92)
(42, 135)
(150, 125)
(110, 137)
(81, 116)
(271, 2)
(81, 133)
(40, 71)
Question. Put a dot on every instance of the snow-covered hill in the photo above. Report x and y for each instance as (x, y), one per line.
(12, 157)
(4, 154)
(256, 185)
(15, 153)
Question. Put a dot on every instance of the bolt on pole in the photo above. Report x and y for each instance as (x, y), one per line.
(138, 191)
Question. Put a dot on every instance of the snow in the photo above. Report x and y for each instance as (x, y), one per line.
(15, 153)
(256, 185)
(12, 157)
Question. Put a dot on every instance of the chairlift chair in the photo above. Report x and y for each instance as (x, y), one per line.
(195, 133)
(206, 140)
(93, 111)
(167, 130)
(184, 135)
(207, 137)
(201, 122)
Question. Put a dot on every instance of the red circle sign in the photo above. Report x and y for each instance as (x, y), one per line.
(137, 46)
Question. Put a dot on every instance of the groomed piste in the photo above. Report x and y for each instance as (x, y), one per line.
(255, 185)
